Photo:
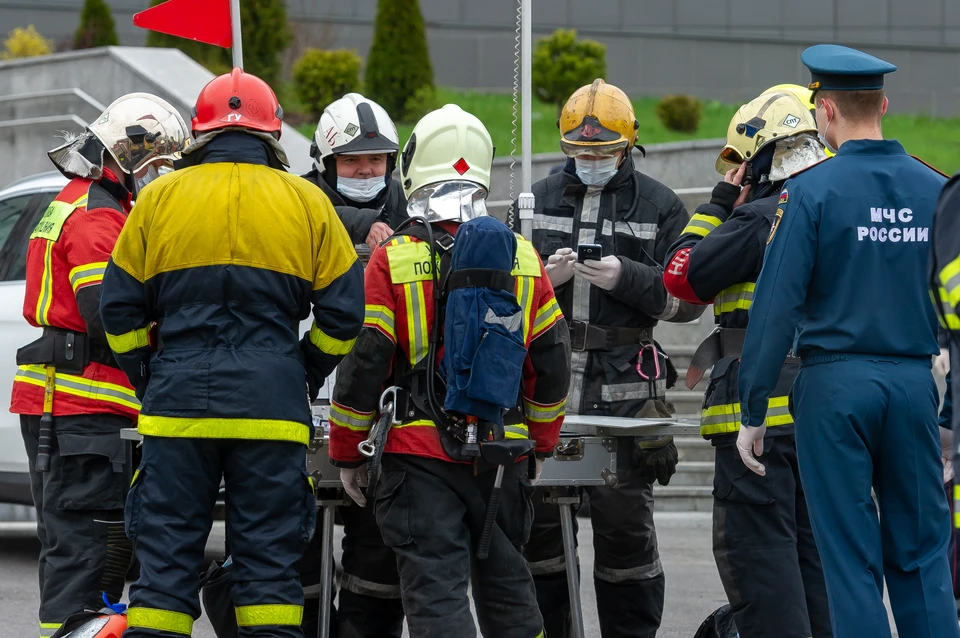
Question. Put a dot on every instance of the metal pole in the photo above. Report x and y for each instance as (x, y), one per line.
(573, 574)
(237, 36)
(326, 568)
(525, 201)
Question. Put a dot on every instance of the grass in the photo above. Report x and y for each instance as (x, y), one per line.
(935, 140)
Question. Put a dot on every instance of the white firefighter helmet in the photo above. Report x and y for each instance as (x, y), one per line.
(354, 125)
(445, 166)
(136, 130)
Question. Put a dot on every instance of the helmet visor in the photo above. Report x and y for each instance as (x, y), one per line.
(595, 151)
(730, 158)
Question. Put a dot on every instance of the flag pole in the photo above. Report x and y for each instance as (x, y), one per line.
(237, 46)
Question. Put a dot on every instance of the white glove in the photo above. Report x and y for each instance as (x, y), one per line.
(352, 478)
(946, 452)
(941, 363)
(750, 442)
(539, 471)
(560, 266)
(603, 274)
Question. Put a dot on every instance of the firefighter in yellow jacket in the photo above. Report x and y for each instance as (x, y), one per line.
(226, 256)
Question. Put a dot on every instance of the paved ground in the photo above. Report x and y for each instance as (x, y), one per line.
(693, 588)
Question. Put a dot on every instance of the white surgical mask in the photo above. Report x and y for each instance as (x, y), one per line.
(823, 137)
(596, 172)
(361, 190)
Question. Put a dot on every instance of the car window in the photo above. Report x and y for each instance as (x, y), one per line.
(25, 215)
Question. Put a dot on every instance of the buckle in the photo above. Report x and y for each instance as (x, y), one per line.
(445, 243)
(578, 336)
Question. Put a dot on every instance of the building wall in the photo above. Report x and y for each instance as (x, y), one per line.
(718, 49)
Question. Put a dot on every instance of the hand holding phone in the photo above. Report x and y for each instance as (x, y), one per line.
(589, 251)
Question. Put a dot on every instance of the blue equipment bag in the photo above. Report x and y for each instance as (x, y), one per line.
(484, 348)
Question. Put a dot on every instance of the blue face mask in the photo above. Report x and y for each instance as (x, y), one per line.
(361, 190)
(596, 172)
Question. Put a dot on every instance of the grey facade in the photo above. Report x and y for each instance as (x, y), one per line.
(717, 49)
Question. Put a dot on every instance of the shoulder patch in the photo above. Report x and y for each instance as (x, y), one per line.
(526, 262)
(784, 196)
(409, 261)
(776, 224)
(51, 223)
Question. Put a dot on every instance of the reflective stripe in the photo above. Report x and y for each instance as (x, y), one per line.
(950, 280)
(516, 431)
(350, 419)
(409, 261)
(549, 222)
(640, 231)
(81, 387)
(549, 566)
(45, 298)
(259, 615)
(738, 297)
(330, 345)
(701, 225)
(418, 341)
(726, 418)
(223, 428)
(539, 413)
(643, 572)
(631, 391)
(946, 313)
(956, 506)
(670, 309)
(160, 620)
(47, 629)
(139, 338)
(525, 299)
(381, 318)
(87, 274)
(419, 423)
(548, 315)
(363, 587)
(54, 217)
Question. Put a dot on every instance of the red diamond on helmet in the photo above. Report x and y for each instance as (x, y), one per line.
(461, 166)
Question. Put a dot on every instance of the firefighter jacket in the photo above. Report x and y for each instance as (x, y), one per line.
(717, 259)
(66, 259)
(397, 327)
(389, 207)
(636, 218)
(226, 257)
(945, 283)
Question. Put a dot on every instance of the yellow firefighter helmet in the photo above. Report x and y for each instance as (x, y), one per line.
(598, 119)
(804, 94)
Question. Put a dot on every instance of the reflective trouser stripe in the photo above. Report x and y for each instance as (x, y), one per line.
(47, 629)
(258, 615)
(160, 620)
(630, 574)
(363, 587)
(556, 565)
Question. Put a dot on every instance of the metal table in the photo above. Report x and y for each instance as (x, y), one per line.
(586, 456)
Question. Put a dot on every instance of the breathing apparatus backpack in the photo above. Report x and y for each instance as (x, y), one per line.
(105, 623)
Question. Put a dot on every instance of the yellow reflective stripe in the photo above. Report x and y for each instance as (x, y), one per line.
(950, 280)
(87, 274)
(139, 338)
(738, 297)
(956, 506)
(949, 319)
(160, 620)
(415, 424)
(381, 318)
(223, 428)
(47, 629)
(45, 298)
(80, 387)
(330, 345)
(701, 225)
(136, 475)
(539, 413)
(350, 419)
(548, 315)
(417, 333)
(257, 615)
(525, 300)
(516, 431)
(725, 418)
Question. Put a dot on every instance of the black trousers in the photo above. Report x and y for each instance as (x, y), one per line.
(764, 548)
(628, 575)
(79, 501)
(431, 513)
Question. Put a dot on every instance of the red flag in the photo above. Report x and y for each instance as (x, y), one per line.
(201, 20)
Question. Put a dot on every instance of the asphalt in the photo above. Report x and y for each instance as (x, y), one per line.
(693, 587)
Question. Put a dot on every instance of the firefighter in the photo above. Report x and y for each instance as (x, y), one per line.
(79, 495)
(225, 257)
(354, 153)
(613, 301)
(430, 501)
(843, 282)
(759, 528)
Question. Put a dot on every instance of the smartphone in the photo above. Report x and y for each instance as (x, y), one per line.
(589, 251)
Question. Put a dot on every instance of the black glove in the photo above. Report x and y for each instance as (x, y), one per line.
(658, 459)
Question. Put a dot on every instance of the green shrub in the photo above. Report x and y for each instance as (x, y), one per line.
(399, 60)
(265, 32)
(320, 77)
(561, 65)
(97, 28)
(680, 113)
(419, 104)
(25, 43)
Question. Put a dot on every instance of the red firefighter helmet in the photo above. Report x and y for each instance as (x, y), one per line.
(237, 99)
